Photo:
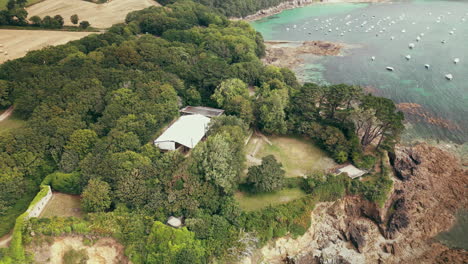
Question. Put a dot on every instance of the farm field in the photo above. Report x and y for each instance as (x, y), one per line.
(299, 156)
(252, 202)
(62, 205)
(3, 3)
(17, 42)
(98, 15)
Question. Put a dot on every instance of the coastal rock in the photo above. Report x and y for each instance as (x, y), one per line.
(426, 196)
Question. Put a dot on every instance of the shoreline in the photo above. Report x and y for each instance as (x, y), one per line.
(291, 4)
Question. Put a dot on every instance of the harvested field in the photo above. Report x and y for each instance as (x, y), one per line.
(103, 251)
(16, 43)
(99, 15)
(63, 205)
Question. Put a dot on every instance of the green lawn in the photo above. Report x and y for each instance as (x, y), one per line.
(3, 3)
(11, 123)
(252, 202)
(299, 156)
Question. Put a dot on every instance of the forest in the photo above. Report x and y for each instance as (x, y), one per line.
(93, 106)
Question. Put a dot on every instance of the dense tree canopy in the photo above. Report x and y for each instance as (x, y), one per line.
(91, 106)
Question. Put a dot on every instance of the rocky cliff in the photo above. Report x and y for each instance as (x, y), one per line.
(431, 185)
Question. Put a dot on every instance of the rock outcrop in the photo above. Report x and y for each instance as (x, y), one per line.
(431, 186)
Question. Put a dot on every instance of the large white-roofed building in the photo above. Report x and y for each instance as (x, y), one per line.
(187, 131)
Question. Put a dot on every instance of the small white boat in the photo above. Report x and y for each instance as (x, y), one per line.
(456, 60)
(287, 29)
(451, 32)
(411, 45)
(449, 77)
(403, 31)
(373, 58)
(422, 34)
(408, 57)
(392, 38)
(443, 41)
(389, 68)
(427, 66)
(418, 38)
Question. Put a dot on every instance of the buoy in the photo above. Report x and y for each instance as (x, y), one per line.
(408, 57)
(373, 58)
(456, 60)
(389, 68)
(427, 66)
(449, 76)
(411, 45)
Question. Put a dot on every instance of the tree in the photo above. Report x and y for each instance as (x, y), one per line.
(377, 118)
(213, 159)
(74, 19)
(84, 24)
(233, 96)
(36, 21)
(267, 177)
(59, 21)
(270, 112)
(96, 196)
(168, 245)
(4, 94)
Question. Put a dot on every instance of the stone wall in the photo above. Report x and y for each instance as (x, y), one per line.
(37, 208)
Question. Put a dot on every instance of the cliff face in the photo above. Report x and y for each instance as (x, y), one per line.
(430, 188)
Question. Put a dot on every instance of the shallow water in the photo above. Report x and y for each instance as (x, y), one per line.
(456, 236)
(442, 105)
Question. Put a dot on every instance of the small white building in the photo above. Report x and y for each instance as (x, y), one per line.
(351, 171)
(174, 222)
(187, 131)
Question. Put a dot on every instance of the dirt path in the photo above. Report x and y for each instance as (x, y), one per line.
(5, 240)
(16, 43)
(98, 15)
(6, 114)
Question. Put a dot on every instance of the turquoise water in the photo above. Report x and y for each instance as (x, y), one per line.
(385, 31)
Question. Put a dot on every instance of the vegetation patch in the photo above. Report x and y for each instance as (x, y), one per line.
(299, 156)
(252, 202)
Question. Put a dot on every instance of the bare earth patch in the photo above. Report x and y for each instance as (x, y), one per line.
(16, 43)
(63, 205)
(103, 251)
(99, 15)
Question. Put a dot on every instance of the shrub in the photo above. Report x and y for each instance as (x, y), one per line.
(73, 256)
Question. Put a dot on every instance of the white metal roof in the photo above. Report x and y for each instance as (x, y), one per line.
(188, 130)
(352, 171)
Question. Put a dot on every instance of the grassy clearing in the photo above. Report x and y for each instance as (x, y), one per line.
(63, 205)
(11, 123)
(299, 156)
(7, 221)
(252, 202)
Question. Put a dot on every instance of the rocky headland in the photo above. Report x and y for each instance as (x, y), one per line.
(290, 54)
(295, 4)
(430, 186)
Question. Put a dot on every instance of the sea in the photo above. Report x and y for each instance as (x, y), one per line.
(424, 41)
(379, 36)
